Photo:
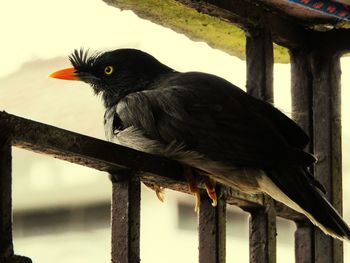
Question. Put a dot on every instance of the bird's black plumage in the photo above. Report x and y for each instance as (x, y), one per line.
(210, 118)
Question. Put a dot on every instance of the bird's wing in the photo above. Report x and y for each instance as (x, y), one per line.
(294, 182)
(211, 116)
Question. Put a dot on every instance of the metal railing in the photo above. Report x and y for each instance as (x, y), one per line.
(127, 167)
(315, 94)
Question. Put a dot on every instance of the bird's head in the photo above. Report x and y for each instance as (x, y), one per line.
(114, 74)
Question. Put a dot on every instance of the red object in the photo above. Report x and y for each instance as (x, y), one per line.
(331, 9)
(343, 13)
(317, 5)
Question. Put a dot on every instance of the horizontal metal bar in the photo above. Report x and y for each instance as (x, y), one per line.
(110, 157)
(84, 150)
(15, 259)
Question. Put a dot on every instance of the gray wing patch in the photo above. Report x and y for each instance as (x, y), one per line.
(135, 110)
(108, 123)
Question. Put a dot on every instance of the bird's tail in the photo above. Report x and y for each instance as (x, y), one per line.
(307, 198)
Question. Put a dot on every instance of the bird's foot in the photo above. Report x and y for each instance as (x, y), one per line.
(193, 187)
(210, 191)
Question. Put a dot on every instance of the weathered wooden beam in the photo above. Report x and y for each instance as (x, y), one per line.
(216, 31)
(212, 231)
(254, 15)
(327, 143)
(262, 223)
(216, 22)
(125, 221)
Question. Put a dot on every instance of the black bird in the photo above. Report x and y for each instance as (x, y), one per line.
(206, 123)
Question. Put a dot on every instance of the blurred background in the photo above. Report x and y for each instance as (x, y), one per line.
(62, 210)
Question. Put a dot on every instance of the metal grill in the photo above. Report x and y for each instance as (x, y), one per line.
(315, 94)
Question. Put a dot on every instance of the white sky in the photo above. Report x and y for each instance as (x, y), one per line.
(46, 29)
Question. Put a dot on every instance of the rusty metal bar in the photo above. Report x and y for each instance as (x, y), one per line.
(304, 248)
(316, 103)
(125, 218)
(325, 68)
(212, 231)
(262, 235)
(259, 53)
(6, 243)
(301, 90)
(302, 108)
(85, 150)
(6, 247)
(262, 223)
(109, 157)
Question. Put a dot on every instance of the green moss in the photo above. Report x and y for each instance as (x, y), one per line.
(281, 54)
(197, 26)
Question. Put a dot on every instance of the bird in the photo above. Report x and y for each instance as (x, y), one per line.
(209, 125)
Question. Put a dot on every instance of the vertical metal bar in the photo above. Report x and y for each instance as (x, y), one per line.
(262, 235)
(302, 107)
(126, 218)
(6, 238)
(262, 228)
(301, 89)
(259, 55)
(304, 242)
(212, 231)
(6, 245)
(327, 143)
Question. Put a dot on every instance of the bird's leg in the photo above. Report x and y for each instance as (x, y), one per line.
(210, 190)
(193, 187)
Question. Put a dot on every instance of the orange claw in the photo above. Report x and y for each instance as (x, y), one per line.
(198, 201)
(193, 187)
(211, 191)
(160, 194)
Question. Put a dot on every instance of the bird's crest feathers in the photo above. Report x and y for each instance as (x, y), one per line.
(80, 59)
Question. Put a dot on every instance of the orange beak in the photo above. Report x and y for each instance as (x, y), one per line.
(67, 74)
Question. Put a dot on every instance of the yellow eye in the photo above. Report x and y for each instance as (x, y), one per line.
(109, 70)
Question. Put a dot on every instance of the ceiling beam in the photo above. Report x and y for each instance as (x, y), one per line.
(253, 16)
